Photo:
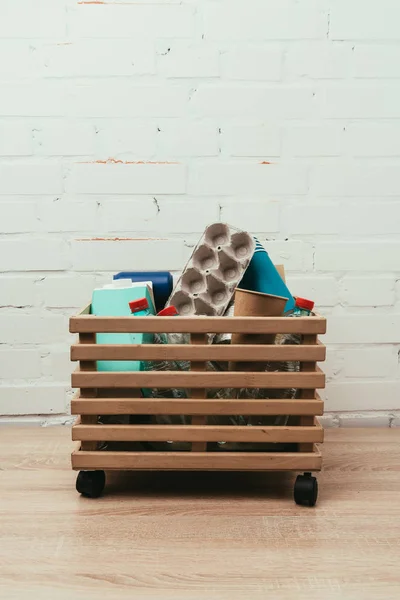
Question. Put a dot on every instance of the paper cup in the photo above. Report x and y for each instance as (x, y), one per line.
(256, 304)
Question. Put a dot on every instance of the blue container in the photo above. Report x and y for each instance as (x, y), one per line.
(162, 283)
(262, 276)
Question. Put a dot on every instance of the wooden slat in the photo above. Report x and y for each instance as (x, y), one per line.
(91, 323)
(200, 461)
(193, 352)
(308, 394)
(198, 339)
(90, 392)
(167, 406)
(173, 379)
(196, 433)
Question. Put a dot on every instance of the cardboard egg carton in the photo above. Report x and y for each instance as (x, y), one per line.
(213, 272)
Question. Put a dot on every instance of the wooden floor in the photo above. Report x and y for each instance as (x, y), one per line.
(200, 536)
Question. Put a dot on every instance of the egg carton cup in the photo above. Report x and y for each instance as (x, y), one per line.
(213, 272)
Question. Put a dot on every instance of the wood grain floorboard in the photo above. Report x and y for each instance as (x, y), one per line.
(200, 536)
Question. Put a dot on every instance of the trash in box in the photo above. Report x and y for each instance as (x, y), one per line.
(229, 273)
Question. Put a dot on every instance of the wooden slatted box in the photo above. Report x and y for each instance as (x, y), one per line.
(118, 393)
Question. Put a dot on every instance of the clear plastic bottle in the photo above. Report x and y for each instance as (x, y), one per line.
(168, 365)
(302, 308)
(165, 365)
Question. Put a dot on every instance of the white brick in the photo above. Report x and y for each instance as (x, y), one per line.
(128, 138)
(18, 217)
(364, 180)
(372, 219)
(64, 139)
(370, 362)
(333, 364)
(19, 364)
(130, 179)
(363, 329)
(123, 99)
(191, 215)
(252, 62)
(33, 99)
(313, 140)
(257, 140)
(22, 64)
(264, 20)
(131, 21)
(15, 139)
(328, 421)
(32, 329)
(364, 420)
(70, 292)
(368, 291)
(147, 215)
(230, 179)
(362, 101)
(126, 215)
(39, 19)
(373, 61)
(362, 20)
(41, 178)
(311, 218)
(57, 366)
(322, 290)
(373, 139)
(67, 214)
(95, 58)
(254, 216)
(33, 400)
(317, 60)
(186, 138)
(17, 291)
(117, 254)
(33, 255)
(296, 256)
(36, 420)
(178, 58)
(357, 256)
(289, 102)
(371, 395)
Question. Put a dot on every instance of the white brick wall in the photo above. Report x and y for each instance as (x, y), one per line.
(252, 140)
(144, 121)
(252, 62)
(179, 58)
(122, 178)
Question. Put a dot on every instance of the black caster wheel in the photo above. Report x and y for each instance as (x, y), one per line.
(90, 483)
(306, 490)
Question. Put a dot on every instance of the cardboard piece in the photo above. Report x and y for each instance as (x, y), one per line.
(281, 271)
(213, 272)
